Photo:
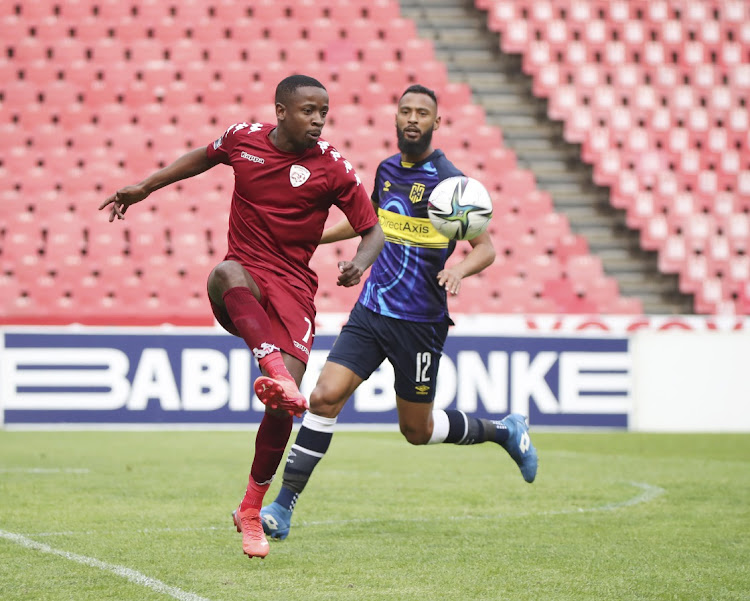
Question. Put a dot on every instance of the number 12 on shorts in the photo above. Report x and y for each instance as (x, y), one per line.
(424, 360)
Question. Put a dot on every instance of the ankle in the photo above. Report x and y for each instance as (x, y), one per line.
(254, 495)
(273, 364)
(287, 498)
(503, 432)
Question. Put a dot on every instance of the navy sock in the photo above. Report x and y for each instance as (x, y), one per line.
(287, 498)
(465, 430)
(308, 449)
(501, 432)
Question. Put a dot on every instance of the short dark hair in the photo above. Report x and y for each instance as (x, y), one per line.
(289, 85)
(420, 89)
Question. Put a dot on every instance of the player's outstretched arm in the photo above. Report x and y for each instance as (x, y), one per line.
(482, 255)
(342, 230)
(188, 165)
(368, 250)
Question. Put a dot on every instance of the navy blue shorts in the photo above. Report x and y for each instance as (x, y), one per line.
(413, 348)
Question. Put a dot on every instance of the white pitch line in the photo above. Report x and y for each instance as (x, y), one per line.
(131, 575)
(650, 492)
(43, 470)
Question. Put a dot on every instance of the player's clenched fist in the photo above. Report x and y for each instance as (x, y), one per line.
(351, 275)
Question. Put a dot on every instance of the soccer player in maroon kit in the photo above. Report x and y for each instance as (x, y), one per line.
(286, 179)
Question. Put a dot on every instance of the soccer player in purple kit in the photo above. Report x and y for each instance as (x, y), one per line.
(286, 179)
(401, 316)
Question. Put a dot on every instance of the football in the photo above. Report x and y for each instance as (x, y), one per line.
(460, 208)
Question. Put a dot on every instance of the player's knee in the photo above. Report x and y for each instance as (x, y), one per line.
(226, 275)
(324, 401)
(415, 435)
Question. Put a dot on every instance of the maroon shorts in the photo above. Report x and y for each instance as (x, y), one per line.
(290, 310)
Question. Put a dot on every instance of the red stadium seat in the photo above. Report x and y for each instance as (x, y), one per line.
(659, 136)
(360, 31)
(549, 226)
(398, 29)
(543, 267)
(382, 11)
(343, 11)
(583, 269)
(516, 186)
(140, 67)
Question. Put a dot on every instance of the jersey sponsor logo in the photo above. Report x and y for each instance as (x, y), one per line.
(301, 347)
(410, 231)
(298, 175)
(422, 389)
(218, 142)
(252, 158)
(265, 349)
(416, 193)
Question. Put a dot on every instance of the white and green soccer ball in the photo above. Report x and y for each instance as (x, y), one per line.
(460, 208)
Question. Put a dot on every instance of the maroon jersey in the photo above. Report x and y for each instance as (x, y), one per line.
(281, 201)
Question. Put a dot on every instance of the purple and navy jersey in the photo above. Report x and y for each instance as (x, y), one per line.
(403, 280)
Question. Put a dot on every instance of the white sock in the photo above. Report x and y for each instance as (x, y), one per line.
(440, 426)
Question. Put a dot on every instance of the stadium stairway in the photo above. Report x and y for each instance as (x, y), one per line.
(473, 55)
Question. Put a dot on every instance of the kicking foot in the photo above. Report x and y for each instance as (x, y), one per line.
(519, 445)
(277, 520)
(281, 393)
(254, 543)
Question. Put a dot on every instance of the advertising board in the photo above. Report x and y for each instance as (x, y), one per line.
(202, 376)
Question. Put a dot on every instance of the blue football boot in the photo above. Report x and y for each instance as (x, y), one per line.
(277, 520)
(519, 446)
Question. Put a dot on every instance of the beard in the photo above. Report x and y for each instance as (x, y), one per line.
(413, 147)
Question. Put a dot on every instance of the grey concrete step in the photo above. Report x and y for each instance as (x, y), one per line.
(475, 79)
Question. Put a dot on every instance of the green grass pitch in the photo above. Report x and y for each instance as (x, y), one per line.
(146, 516)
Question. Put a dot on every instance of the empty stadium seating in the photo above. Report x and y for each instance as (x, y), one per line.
(656, 93)
(95, 94)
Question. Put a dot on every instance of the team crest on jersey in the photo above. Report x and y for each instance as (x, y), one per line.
(298, 175)
(416, 193)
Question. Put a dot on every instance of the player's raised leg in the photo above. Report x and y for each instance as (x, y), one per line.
(234, 297)
(415, 384)
(421, 424)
